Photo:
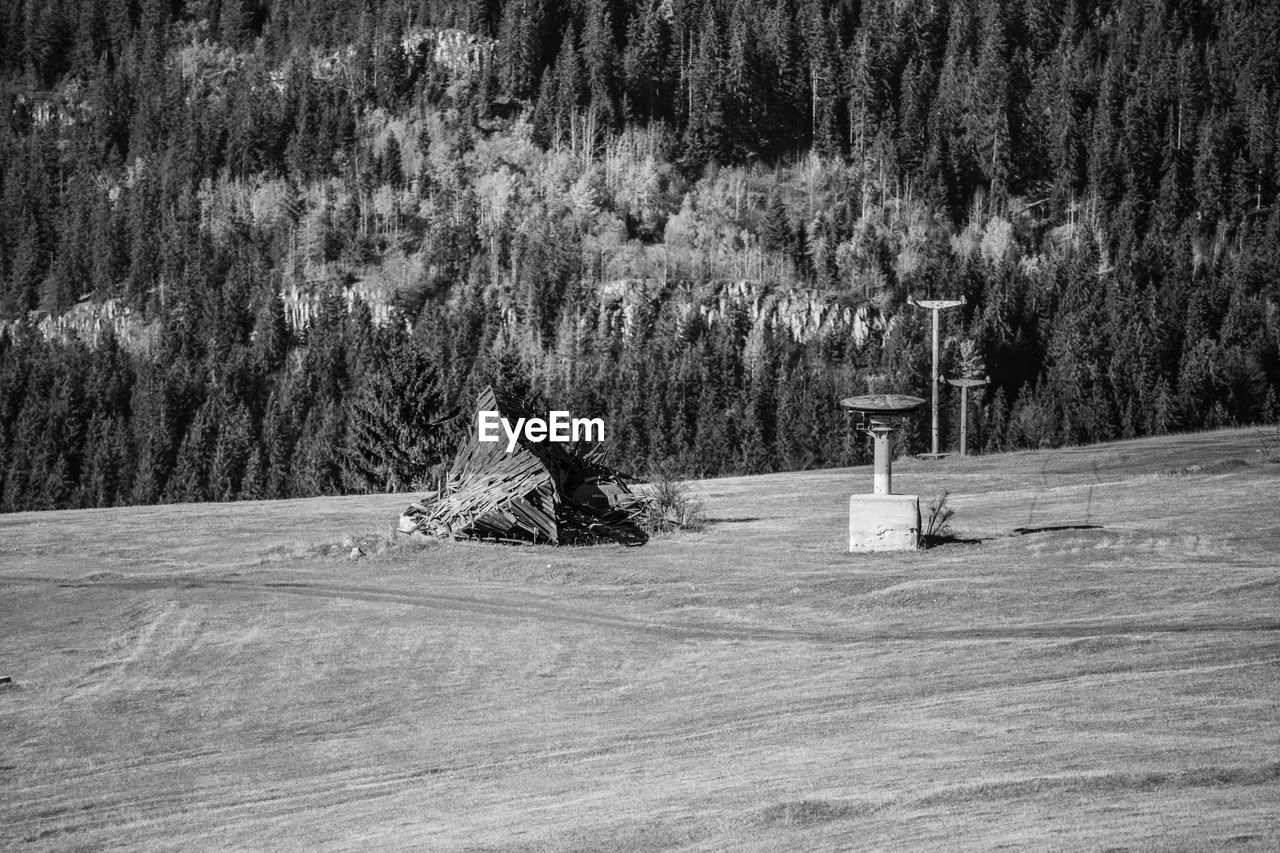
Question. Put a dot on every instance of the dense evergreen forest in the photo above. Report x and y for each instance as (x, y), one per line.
(257, 248)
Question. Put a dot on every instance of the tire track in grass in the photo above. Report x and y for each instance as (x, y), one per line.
(349, 786)
(709, 723)
(375, 782)
(371, 783)
(363, 783)
(1003, 790)
(507, 606)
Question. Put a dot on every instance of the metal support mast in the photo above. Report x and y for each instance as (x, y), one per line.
(935, 305)
(964, 385)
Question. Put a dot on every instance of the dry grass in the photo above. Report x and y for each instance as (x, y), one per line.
(223, 676)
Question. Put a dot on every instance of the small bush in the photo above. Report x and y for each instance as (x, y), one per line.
(937, 528)
(667, 504)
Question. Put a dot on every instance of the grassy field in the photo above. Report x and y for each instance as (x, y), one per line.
(223, 676)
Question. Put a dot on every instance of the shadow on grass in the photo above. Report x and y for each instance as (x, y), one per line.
(742, 520)
(1049, 528)
(937, 541)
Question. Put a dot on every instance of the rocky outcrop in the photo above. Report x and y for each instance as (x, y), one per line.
(806, 313)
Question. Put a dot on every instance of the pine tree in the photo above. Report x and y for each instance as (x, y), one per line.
(569, 90)
(990, 132)
(230, 455)
(821, 31)
(520, 48)
(995, 421)
(647, 64)
(397, 431)
(390, 168)
(253, 484)
(89, 40)
(277, 447)
(1199, 384)
(190, 480)
(600, 60)
(777, 235)
(316, 466)
(1210, 172)
(861, 88)
(705, 139)
(785, 96)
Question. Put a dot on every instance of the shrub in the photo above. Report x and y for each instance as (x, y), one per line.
(667, 504)
(937, 528)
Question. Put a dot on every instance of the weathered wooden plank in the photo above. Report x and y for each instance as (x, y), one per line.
(525, 494)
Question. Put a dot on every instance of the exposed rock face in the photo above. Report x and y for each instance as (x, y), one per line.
(461, 52)
(807, 313)
(91, 322)
(303, 304)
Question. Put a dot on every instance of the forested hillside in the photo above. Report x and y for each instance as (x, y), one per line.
(254, 248)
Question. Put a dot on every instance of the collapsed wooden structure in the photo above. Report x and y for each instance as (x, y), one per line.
(540, 492)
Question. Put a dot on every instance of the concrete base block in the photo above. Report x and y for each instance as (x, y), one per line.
(884, 522)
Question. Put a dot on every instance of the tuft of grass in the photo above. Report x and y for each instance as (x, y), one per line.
(668, 504)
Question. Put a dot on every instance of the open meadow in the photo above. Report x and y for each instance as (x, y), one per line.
(1095, 664)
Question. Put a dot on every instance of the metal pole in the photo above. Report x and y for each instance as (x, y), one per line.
(933, 381)
(935, 305)
(964, 385)
(882, 435)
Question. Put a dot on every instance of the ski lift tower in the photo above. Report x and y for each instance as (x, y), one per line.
(964, 385)
(883, 521)
(935, 305)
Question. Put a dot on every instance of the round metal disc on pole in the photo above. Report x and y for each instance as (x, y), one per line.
(875, 410)
(883, 404)
(882, 520)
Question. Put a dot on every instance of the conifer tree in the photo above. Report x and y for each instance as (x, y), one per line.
(600, 60)
(277, 446)
(397, 431)
(230, 454)
(821, 31)
(190, 480)
(705, 134)
(647, 63)
(520, 48)
(569, 90)
(253, 484)
(316, 465)
(991, 134)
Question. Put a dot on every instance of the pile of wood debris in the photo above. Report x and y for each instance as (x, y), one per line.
(541, 492)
